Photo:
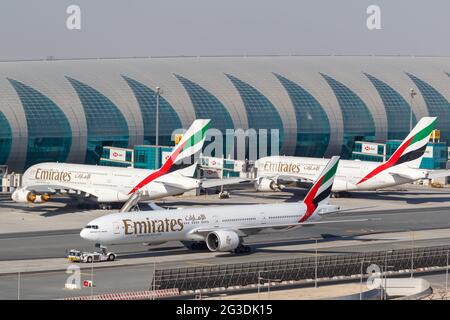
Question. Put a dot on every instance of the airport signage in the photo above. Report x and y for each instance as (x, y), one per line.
(215, 163)
(117, 154)
(428, 152)
(369, 148)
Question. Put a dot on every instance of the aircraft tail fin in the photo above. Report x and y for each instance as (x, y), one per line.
(411, 150)
(321, 189)
(190, 144)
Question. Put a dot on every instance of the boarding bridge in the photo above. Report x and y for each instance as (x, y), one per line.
(214, 167)
(9, 181)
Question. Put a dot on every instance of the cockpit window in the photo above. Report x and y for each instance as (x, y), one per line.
(91, 227)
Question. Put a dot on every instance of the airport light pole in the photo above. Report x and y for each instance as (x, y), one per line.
(158, 93)
(412, 254)
(259, 283)
(361, 280)
(92, 277)
(315, 268)
(18, 286)
(268, 286)
(412, 93)
(446, 278)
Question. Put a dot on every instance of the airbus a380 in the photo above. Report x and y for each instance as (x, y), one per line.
(222, 227)
(352, 175)
(113, 184)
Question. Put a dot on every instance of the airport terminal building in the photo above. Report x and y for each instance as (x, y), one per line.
(66, 110)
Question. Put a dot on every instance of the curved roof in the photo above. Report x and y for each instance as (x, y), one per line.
(106, 76)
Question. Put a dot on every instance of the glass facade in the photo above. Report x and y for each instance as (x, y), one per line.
(397, 109)
(437, 105)
(49, 131)
(168, 118)
(358, 122)
(261, 113)
(313, 126)
(207, 106)
(106, 125)
(5, 139)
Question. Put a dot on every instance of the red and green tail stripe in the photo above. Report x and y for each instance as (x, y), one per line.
(192, 141)
(402, 155)
(321, 189)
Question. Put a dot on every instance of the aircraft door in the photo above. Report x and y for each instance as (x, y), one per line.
(262, 218)
(215, 220)
(116, 227)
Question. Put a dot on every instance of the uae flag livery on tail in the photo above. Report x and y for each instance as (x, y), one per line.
(191, 143)
(410, 152)
(321, 189)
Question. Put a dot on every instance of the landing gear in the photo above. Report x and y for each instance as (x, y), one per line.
(195, 245)
(224, 195)
(341, 194)
(242, 249)
(105, 206)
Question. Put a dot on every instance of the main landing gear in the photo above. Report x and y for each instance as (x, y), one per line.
(105, 206)
(242, 249)
(341, 194)
(195, 245)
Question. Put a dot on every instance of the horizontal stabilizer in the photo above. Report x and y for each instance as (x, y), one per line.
(211, 183)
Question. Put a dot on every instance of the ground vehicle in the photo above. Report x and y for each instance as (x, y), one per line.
(80, 256)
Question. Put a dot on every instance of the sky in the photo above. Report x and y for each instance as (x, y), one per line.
(140, 28)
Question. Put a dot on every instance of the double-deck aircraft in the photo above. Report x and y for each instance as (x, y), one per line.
(113, 184)
(221, 227)
(354, 175)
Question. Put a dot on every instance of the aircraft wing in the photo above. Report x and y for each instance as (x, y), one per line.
(81, 191)
(45, 188)
(241, 230)
(211, 183)
(289, 178)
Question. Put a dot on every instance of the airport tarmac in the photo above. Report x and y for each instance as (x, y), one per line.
(419, 217)
(64, 214)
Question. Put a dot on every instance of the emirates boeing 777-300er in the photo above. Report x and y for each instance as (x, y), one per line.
(221, 227)
(114, 184)
(353, 175)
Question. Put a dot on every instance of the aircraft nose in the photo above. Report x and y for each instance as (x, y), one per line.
(85, 234)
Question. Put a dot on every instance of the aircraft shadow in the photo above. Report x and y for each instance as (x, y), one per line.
(256, 248)
(398, 196)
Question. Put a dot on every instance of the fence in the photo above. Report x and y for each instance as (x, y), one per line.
(228, 275)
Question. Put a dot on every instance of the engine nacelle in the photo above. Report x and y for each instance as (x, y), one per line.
(41, 198)
(264, 184)
(222, 240)
(108, 196)
(24, 196)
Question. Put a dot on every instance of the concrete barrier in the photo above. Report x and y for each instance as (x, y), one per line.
(138, 295)
(407, 288)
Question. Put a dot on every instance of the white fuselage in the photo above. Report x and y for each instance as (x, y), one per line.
(108, 184)
(348, 174)
(182, 224)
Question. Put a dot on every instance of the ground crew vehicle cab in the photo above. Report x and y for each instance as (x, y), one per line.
(89, 257)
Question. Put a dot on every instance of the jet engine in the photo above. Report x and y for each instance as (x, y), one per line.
(264, 184)
(42, 198)
(23, 195)
(222, 240)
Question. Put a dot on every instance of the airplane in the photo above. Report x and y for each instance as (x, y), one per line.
(353, 175)
(115, 184)
(221, 227)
